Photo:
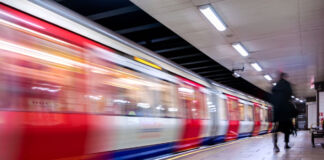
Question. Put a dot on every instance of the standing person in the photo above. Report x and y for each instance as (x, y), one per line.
(281, 94)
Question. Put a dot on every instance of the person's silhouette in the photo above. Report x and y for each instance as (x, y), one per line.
(282, 118)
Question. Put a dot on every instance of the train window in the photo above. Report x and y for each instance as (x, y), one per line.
(210, 105)
(38, 74)
(201, 97)
(233, 109)
(222, 112)
(261, 114)
(242, 111)
(265, 113)
(169, 101)
(249, 113)
(126, 92)
(192, 100)
(256, 113)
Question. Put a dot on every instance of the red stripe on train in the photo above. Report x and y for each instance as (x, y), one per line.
(40, 136)
(234, 114)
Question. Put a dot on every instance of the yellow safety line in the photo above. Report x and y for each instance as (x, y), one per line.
(206, 149)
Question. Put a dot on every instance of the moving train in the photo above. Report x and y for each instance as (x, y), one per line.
(70, 91)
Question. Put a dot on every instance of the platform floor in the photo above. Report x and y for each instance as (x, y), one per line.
(259, 148)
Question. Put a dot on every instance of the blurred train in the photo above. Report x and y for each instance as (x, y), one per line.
(68, 91)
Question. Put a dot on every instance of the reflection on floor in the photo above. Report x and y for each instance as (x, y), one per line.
(260, 148)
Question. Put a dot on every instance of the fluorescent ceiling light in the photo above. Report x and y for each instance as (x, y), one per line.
(256, 66)
(209, 12)
(239, 48)
(267, 77)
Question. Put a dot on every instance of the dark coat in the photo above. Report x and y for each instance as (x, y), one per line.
(281, 94)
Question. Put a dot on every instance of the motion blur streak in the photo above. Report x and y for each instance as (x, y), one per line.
(36, 54)
(40, 35)
(64, 97)
(19, 19)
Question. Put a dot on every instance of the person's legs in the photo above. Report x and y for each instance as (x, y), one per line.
(275, 137)
(287, 140)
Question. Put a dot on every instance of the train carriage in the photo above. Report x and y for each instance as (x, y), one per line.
(69, 91)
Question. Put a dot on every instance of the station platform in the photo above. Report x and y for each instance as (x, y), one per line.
(258, 148)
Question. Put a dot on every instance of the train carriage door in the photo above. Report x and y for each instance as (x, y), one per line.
(211, 103)
(257, 122)
(234, 116)
(190, 97)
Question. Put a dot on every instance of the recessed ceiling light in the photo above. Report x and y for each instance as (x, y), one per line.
(209, 12)
(267, 77)
(241, 49)
(256, 66)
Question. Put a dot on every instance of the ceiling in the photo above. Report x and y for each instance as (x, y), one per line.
(281, 35)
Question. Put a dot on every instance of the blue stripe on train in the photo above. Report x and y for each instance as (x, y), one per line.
(207, 141)
(144, 152)
(244, 135)
(219, 139)
(263, 132)
(156, 150)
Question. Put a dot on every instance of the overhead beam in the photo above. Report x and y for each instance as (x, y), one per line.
(232, 79)
(220, 80)
(113, 13)
(213, 71)
(157, 40)
(215, 76)
(194, 62)
(185, 56)
(225, 81)
(173, 49)
(233, 82)
(204, 67)
(139, 28)
(218, 77)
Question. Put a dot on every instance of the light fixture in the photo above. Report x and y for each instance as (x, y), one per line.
(297, 99)
(274, 84)
(292, 96)
(209, 12)
(267, 77)
(241, 49)
(256, 66)
(236, 75)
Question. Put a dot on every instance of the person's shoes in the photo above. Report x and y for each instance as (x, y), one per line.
(276, 148)
(287, 146)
